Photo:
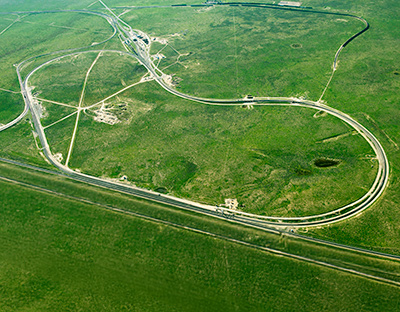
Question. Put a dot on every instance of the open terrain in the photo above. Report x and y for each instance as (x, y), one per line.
(104, 115)
(230, 52)
(269, 157)
(68, 254)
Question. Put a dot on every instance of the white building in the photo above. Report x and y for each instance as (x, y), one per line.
(290, 3)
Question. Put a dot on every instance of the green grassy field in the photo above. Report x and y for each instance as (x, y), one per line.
(231, 52)
(267, 162)
(11, 105)
(265, 165)
(260, 160)
(112, 73)
(366, 86)
(37, 34)
(18, 143)
(62, 254)
(298, 179)
(58, 253)
(64, 82)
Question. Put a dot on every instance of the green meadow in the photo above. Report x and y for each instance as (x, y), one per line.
(267, 154)
(62, 248)
(59, 253)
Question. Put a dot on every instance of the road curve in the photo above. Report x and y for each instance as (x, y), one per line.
(139, 51)
(330, 217)
(267, 229)
(334, 216)
(19, 66)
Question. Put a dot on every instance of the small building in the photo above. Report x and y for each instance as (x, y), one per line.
(290, 3)
(123, 178)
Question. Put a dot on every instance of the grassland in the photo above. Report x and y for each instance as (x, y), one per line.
(116, 72)
(229, 52)
(43, 33)
(57, 253)
(33, 35)
(297, 188)
(267, 163)
(37, 34)
(263, 163)
(269, 174)
(18, 143)
(11, 105)
(37, 5)
(367, 87)
(64, 82)
(61, 254)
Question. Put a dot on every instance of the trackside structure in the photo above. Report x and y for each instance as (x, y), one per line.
(290, 3)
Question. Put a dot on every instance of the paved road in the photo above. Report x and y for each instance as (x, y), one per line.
(134, 41)
(337, 215)
(321, 219)
(24, 94)
(268, 229)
